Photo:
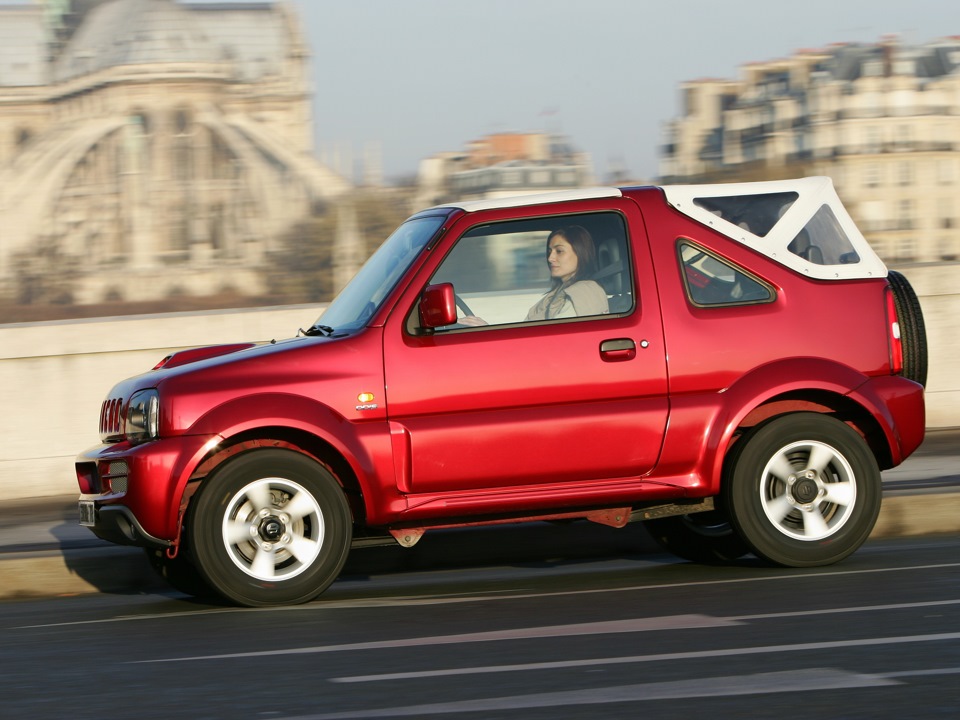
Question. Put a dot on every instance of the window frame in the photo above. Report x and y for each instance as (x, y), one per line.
(736, 267)
(413, 327)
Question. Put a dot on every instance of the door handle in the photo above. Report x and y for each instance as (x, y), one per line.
(618, 349)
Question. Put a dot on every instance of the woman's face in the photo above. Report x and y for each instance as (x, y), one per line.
(561, 258)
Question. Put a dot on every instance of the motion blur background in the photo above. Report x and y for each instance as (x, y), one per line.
(188, 173)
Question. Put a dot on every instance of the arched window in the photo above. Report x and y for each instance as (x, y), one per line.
(182, 145)
(23, 136)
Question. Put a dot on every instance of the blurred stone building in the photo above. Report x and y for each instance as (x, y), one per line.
(503, 164)
(883, 120)
(151, 148)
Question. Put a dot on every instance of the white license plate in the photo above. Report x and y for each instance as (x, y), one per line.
(88, 513)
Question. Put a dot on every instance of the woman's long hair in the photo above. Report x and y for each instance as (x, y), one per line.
(583, 247)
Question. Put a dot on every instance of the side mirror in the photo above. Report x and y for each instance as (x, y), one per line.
(438, 306)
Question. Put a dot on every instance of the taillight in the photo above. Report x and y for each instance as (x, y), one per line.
(893, 326)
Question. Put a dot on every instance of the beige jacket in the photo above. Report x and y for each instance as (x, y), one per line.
(578, 299)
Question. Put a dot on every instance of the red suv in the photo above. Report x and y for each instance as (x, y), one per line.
(731, 364)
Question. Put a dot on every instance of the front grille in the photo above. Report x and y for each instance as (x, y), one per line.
(103, 478)
(114, 480)
(111, 417)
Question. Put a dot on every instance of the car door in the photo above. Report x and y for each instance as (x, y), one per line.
(520, 402)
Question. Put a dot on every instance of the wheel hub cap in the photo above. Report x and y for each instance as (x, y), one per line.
(271, 529)
(805, 490)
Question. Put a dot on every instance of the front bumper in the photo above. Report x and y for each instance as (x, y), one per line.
(133, 492)
(117, 524)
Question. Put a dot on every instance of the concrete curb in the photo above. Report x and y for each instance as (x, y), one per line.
(70, 570)
(918, 515)
(50, 573)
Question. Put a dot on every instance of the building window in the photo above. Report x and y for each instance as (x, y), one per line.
(871, 176)
(23, 137)
(945, 172)
(906, 214)
(905, 173)
(905, 67)
(511, 177)
(947, 249)
(907, 249)
(945, 213)
(904, 135)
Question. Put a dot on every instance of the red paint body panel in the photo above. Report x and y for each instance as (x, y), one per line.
(437, 428)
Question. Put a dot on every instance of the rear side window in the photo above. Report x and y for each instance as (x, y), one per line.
(713, 282)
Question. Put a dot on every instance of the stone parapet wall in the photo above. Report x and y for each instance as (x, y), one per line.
(938, 287)
(55, 375)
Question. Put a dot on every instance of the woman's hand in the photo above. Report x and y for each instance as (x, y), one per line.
(472, 320)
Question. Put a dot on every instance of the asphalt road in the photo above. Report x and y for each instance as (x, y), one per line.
(631, 633)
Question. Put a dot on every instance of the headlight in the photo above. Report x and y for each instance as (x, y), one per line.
(142, 422)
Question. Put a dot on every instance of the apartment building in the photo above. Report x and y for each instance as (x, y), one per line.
(503, 164)
(882, 119)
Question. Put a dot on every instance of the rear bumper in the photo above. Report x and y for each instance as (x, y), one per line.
(136, 490)
(899, 405)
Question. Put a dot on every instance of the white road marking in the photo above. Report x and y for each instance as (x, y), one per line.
(668, 622)
(810, 680)
(658, 657)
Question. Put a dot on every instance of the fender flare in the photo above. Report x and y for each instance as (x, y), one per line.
(793, 376)
(250, 413)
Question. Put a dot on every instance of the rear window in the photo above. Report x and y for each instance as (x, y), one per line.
(755, 213)
(823, 242)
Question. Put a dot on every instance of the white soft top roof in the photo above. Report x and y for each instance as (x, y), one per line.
(799, 223)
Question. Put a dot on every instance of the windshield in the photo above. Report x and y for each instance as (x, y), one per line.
(362, 296)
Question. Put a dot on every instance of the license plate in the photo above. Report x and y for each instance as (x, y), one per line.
(88, 513)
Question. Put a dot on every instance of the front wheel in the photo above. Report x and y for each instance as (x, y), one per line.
(803, 490)
(270, 527)
(179, 572)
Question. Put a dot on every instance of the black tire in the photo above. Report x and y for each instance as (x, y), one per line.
(913, 332)
(803, 490)
(707, 538)
(270, 527)
(179, 572)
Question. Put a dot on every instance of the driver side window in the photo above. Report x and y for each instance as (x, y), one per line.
(539, 269)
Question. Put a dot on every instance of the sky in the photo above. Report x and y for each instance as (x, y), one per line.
(418, 77)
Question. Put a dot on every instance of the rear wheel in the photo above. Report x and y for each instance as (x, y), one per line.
(706, 537)
(803, 490)
(270, 527)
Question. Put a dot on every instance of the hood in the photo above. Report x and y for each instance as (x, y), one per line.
(194, 354)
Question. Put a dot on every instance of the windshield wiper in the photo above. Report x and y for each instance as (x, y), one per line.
(314, 330)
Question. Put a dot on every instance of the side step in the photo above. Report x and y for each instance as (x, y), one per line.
(613, 517)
